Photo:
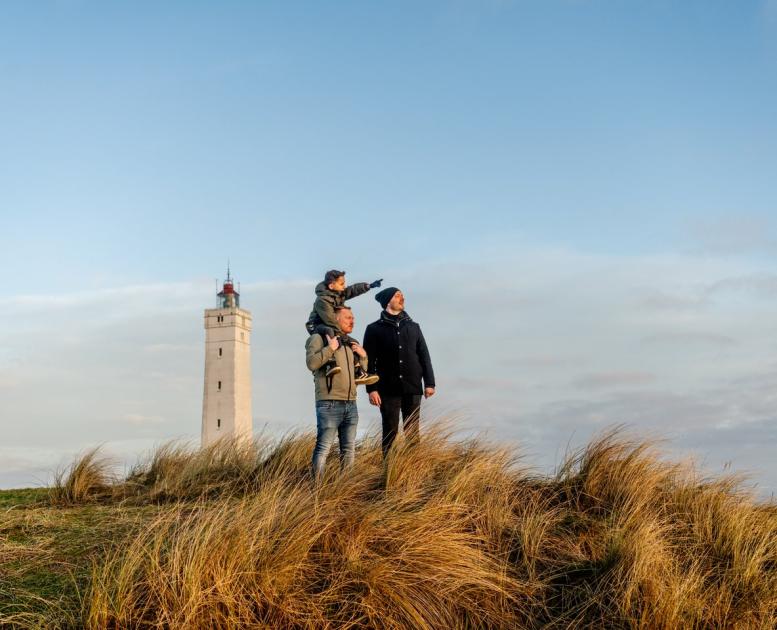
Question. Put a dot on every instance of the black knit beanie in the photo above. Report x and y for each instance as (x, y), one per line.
(384, 297)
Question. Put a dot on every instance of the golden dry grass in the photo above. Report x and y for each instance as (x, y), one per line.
(446, 534)
(87, 478)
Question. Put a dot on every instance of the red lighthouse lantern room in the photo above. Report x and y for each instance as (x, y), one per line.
(228, 297)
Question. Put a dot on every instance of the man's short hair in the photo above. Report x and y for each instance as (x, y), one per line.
(342, 308)
(332, 275)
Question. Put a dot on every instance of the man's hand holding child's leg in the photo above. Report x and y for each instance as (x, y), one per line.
(331, 367)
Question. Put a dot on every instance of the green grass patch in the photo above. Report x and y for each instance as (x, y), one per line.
(23, 497)
(47, 553)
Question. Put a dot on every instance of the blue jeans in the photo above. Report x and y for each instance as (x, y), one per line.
(334, 417)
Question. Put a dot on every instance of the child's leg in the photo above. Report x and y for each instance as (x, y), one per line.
(347, 340)
(326, 331)
(362, 377)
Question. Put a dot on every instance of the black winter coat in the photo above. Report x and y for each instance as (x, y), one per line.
(397, 352)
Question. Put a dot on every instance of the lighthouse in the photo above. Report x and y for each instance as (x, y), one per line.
(226, 400)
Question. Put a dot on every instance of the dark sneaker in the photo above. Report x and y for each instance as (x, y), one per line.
(332, 369)
(366, 379)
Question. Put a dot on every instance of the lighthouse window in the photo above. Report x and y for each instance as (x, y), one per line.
(219, 385)
(218, 423)
(219, 351)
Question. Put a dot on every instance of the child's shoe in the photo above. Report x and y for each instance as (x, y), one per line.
(332, 368)
(362, 378)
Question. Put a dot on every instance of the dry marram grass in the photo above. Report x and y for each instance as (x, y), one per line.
(445, 534)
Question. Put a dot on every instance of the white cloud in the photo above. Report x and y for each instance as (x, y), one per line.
(760, 284)
(687, 338)
(140, 419)
(600, 380)
(735, 234)
(97, 296)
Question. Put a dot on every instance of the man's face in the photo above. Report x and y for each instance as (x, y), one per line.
(337, 285)
(397, 303)
(345, 320)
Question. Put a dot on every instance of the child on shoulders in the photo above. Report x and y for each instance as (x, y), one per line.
(330, 295)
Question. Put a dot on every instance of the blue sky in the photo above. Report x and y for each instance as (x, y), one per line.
(593, 178)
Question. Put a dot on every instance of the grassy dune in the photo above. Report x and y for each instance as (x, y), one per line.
(445, 535)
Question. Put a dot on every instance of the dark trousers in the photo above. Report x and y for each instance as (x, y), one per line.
(390, 407)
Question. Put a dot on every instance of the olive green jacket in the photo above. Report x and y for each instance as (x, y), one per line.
(317, 354)
(327, 301)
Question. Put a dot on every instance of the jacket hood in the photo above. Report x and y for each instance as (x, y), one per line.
(322, 289)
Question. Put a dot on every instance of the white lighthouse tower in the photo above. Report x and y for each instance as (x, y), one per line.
(226, 400)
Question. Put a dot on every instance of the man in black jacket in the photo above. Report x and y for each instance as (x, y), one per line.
(398, 354)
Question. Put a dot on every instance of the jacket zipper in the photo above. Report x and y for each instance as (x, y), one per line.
(350, 373)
